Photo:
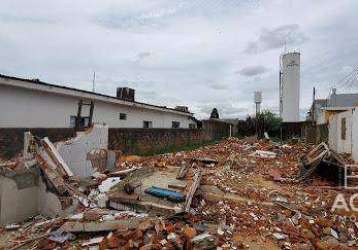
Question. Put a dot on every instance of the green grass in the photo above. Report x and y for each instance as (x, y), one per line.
(174, 148)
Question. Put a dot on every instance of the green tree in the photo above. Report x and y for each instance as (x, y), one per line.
(214, 114)
(270, 122)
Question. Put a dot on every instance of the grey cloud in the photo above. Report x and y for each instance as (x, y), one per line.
(117, 18)
(10, 18)
(218, 86)
(277, 38)
(186, 61)
(161, 13)
(142, 56)
(252, 70)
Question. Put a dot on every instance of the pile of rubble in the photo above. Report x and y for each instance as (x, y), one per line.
(236, 194)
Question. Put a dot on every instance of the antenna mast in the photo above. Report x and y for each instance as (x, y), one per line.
(94, 81)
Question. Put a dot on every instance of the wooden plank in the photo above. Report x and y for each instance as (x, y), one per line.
(182, 172)
(55, 155)
(196, 182)
(122, 173)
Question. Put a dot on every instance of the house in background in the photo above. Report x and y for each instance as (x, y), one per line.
(26, 103)
(343, 130)
(318, 127)
(339, 114)
(316, 113)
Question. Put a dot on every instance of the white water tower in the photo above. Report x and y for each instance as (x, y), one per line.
(290, 87)
(258, 101)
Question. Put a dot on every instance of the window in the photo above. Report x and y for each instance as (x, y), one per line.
(175, 124)
(192, 126)
(73, 121)
(84, 121)
(343, 128)
(122, 116)
(147, 124)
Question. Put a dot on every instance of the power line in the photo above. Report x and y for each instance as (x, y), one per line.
(350, 81)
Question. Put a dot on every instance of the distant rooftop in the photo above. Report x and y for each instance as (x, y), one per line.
(321, 101)
(343, 100)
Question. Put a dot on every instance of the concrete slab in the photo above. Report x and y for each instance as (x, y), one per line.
(147, 202)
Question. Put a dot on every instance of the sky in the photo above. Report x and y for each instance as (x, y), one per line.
(198, 53)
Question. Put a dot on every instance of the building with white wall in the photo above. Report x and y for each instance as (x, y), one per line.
(289, 87)
(334, 100)
(343, 130)
(26, 103)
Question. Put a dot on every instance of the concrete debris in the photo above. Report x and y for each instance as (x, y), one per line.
(324, 162)
(12, 226)
(176, 184)
(264, 154)
(93, 241)
(206, 160)
(248, 198)
(60, 236)
(108, 183)
(129, 188)
(279, 236)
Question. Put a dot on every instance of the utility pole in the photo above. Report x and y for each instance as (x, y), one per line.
(313, 105)
(94, 81)
(258, 100)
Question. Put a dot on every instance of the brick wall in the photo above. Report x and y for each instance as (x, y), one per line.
(12, 139)
(128, 140)
(142, 141)
(216, 129)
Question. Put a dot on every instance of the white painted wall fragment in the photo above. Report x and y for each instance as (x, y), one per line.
(75, 151)
(20, 203)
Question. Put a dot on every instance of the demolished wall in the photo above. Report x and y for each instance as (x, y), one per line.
(75, 151)
(12, 139)
(25, 195)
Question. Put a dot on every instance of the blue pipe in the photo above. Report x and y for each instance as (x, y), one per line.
(165, 193)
